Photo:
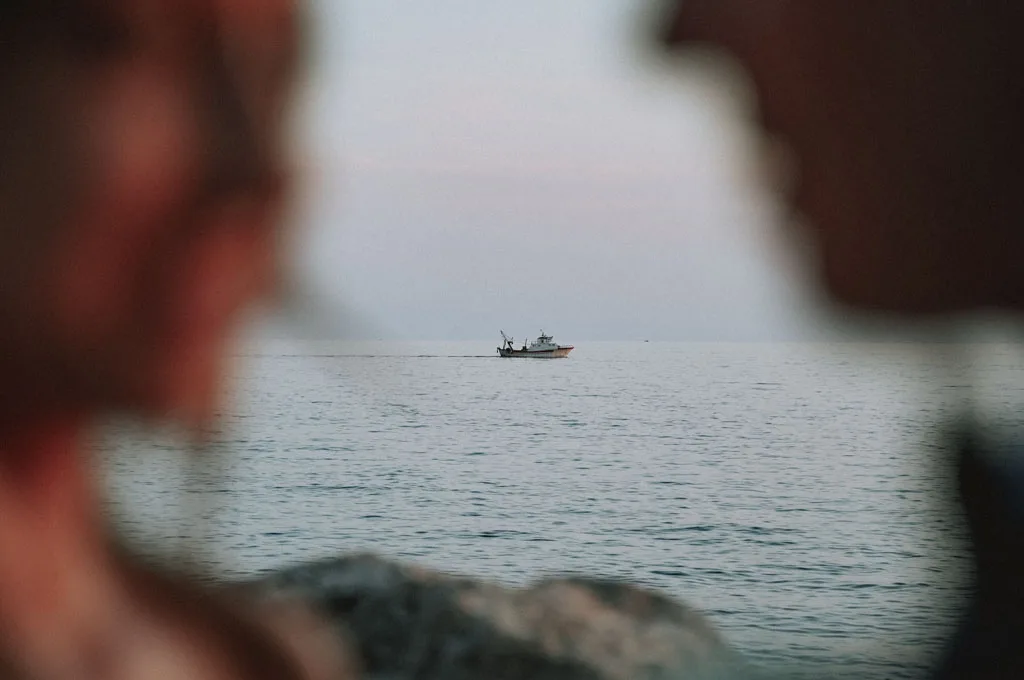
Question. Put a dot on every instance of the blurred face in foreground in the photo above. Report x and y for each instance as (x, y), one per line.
(906, 119)
(143, 179)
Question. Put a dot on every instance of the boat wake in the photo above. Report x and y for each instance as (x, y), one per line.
(371, 356)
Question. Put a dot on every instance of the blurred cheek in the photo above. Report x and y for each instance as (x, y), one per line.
(138, 134)
(225, 264)
(148, 283)
(212, 282)
(210, 285)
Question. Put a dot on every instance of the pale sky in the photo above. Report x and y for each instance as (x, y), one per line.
(476, 165)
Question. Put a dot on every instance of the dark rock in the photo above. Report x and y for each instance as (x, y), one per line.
(405, 622)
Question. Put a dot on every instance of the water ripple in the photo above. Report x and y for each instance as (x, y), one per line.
(787, 491)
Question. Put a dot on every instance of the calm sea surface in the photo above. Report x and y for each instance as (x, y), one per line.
(792, 492)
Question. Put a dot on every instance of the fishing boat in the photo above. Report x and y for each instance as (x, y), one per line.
(544, 347)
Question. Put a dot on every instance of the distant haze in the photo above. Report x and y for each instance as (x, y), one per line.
(473, 166)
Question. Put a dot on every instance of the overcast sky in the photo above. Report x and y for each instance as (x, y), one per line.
(475, 165)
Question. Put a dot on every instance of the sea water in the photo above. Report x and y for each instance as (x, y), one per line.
(800, 495)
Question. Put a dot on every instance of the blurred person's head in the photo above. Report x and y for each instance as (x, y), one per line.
(906, 118)
(141, 176)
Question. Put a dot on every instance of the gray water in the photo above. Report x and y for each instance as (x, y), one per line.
(795, 493)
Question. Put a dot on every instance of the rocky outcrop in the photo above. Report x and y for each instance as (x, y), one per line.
(401, 622)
